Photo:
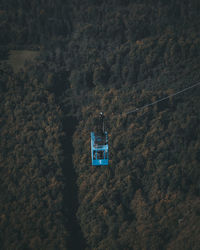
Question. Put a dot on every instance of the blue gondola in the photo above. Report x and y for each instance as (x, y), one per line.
(99, 144)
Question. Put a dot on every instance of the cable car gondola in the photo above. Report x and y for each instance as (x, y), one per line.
(99, 144)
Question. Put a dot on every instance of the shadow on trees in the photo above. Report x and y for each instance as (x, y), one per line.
(71, 190)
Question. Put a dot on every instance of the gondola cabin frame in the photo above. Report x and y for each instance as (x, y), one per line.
(99, 149)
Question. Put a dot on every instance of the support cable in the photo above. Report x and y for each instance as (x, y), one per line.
(162, 99)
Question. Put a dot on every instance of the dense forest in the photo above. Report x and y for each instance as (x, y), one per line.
(111, 56)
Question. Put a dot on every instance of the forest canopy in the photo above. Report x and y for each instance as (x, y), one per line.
(92, 56)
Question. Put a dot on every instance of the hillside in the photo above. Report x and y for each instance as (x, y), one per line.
(111, 56)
